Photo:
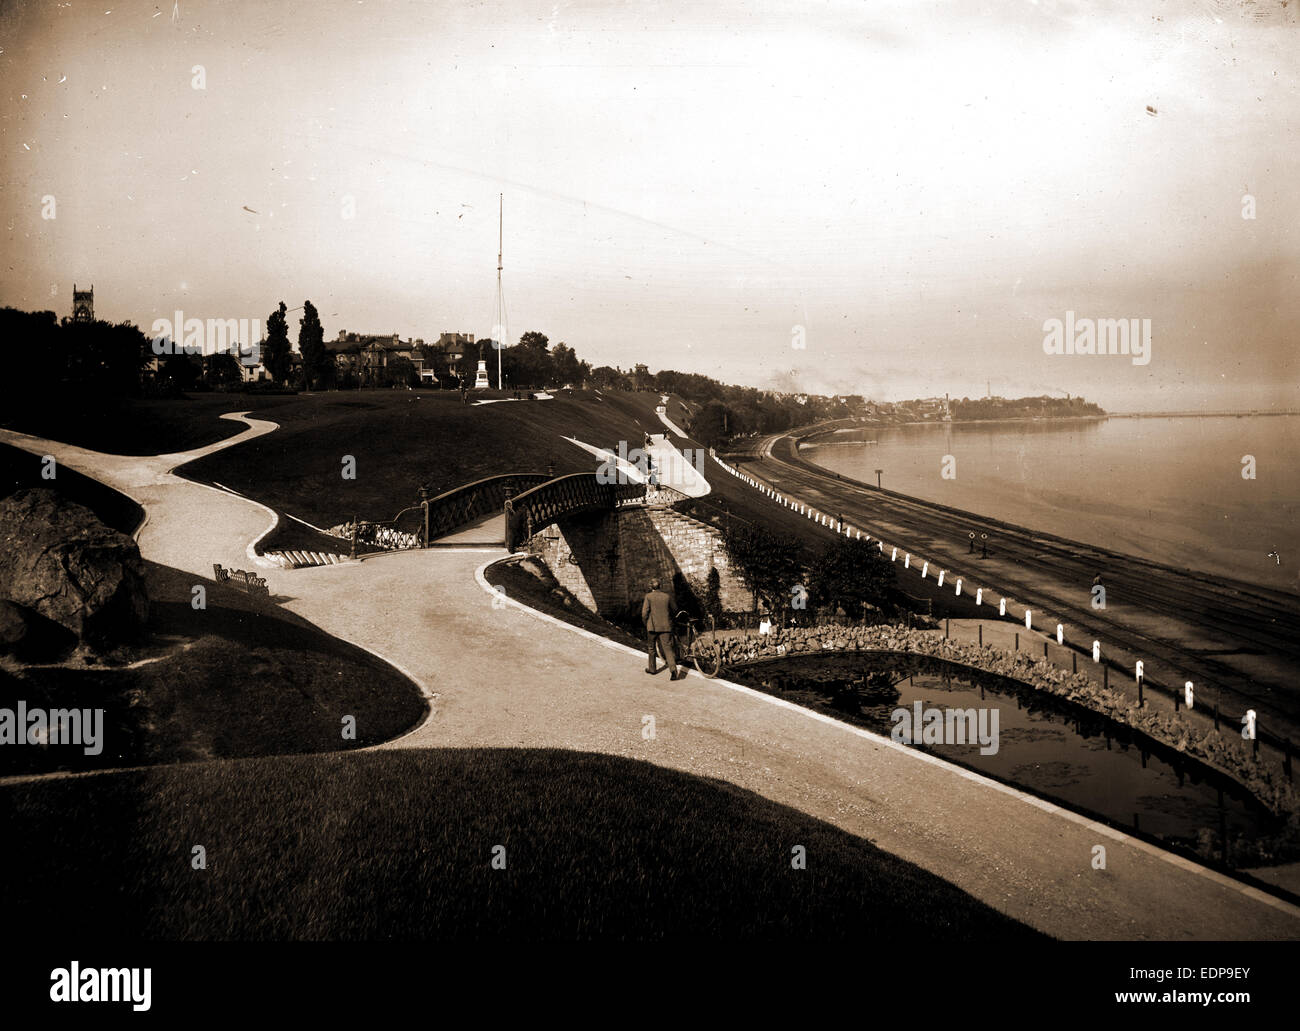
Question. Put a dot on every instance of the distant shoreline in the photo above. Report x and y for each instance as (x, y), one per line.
(1192, 415)
(879, 424)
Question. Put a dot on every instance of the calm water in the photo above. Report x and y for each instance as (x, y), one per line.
(1046, 745)
(1169, 489)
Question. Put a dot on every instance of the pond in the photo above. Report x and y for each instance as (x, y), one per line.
(1047, 746)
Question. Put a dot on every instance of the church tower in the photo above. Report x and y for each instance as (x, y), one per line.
(83, 304)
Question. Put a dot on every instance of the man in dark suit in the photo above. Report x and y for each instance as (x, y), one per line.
(657, 614)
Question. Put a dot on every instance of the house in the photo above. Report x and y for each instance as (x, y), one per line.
(444, 356)
(366, 355)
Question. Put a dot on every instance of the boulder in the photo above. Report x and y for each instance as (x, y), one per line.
(57, 558)
(30, 637)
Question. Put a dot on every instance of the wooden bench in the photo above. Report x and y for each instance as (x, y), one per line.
(252, 584)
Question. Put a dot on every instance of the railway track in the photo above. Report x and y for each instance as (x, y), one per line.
(1242, 639)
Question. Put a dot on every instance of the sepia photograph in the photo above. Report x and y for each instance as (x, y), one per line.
(691, 477)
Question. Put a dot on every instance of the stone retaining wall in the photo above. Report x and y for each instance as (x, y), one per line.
(607, 559)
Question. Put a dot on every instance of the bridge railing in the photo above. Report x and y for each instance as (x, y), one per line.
(473, 501)
(536, 509)
(418, 525)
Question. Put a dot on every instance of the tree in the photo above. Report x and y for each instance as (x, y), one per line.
(566, 369)
(713, 424)
(850, 572)
(181, 370)
(467, 367)
(713, 593)
(400, 372)
(770, 564)
(275, 349)
(316, 363)
(607, 378)
(222, 370)
(534, 341)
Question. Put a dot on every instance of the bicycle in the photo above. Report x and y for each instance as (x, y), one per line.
(697, 643)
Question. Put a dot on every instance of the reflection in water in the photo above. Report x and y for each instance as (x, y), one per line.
(1046, 745)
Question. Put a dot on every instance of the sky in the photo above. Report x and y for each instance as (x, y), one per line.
(908, 190)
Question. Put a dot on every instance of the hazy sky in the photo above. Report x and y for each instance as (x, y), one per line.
(918, 185)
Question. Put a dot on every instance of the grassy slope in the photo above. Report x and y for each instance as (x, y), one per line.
(122, 426)
(398, 845)
(240, 678)
(401, 439)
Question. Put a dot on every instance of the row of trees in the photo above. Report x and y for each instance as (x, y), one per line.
(531, 364)
(45, 355)
(113, 357)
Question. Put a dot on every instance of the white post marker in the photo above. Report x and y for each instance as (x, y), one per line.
(1187, 694)
(1096, 651)
(959, 587)
(941, 572)
(1002, 607)
(925, 569)
(907, 561)
(1138, 670)
(1248, 731)
(1028, 626)
(1060, 634)
(979, 595)
(894, 556)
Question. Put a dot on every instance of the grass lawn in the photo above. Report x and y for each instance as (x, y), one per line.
(126, 426)
(240, 678)
(398, 845)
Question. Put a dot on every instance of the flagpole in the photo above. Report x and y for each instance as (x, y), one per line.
(500, 313)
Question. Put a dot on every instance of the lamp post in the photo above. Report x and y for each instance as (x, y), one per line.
(878, 472)
(424, 493)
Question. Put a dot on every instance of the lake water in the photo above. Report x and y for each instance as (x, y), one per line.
(1170, 488)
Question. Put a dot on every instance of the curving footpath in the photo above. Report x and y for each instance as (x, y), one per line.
(504, 676)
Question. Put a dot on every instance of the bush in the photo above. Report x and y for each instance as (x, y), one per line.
(713, 594)
(770, 564)
(850, 574)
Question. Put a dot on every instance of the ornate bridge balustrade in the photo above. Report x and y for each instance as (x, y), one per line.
(535, 509)
(446, 513)
(466, 504)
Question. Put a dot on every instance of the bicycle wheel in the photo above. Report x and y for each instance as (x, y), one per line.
(706, 652)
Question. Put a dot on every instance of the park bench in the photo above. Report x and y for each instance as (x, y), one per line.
(252, 584)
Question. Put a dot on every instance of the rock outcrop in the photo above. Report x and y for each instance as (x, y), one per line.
(59, 560)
